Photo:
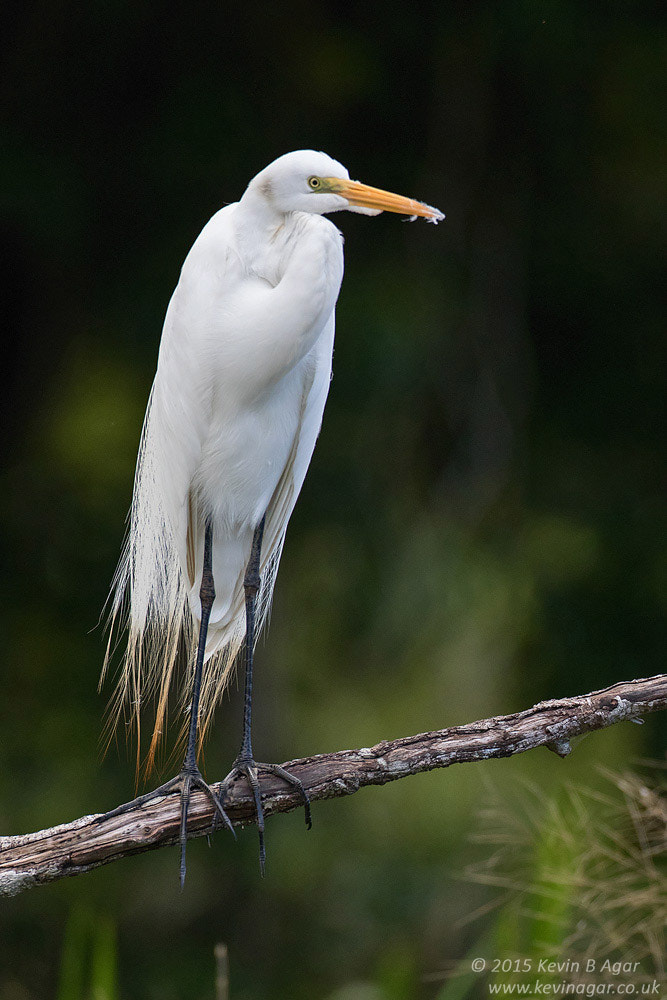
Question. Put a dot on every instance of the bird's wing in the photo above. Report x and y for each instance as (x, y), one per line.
(289, 486)
(150, 587)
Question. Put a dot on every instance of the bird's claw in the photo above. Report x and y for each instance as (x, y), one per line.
(186, 780)
(247, 767)
(189, 778)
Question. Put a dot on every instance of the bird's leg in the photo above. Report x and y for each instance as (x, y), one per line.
(190, 773)
(190, 776)
(251, 585)
(245, 764)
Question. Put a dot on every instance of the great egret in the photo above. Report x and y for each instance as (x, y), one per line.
(236, 406)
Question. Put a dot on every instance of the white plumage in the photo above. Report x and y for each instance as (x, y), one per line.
(235, 409)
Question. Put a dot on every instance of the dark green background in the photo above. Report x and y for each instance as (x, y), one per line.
(482, 526)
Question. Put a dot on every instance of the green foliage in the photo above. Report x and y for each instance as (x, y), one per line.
(583, 874)
(89, 960)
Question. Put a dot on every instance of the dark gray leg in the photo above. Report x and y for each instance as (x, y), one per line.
(245, 764)
(251, 585)
(190, 772)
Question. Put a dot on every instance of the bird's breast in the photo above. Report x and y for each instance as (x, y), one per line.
(267, 251)
(247, 449)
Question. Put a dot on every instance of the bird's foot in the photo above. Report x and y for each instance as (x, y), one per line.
(246, 767)
(186, 780)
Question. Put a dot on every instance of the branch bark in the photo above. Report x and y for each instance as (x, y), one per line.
(91, 841)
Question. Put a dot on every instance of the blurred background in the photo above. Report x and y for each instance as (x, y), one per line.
(482, 525)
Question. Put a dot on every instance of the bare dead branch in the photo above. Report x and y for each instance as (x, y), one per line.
(86, 843)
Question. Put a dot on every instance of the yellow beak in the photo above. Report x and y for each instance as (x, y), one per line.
(383, 201)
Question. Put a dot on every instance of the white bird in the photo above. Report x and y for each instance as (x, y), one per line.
(235, 409)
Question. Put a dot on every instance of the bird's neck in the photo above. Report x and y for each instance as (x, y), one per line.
(257, 215)
(259, 227)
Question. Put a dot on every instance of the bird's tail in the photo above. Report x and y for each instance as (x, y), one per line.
(157, 623)
(148, 603)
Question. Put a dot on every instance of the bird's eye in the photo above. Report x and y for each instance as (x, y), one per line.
(314, 183)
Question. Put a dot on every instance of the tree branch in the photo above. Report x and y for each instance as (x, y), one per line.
(86, 843)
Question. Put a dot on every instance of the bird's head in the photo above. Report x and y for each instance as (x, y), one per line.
(307, 181)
